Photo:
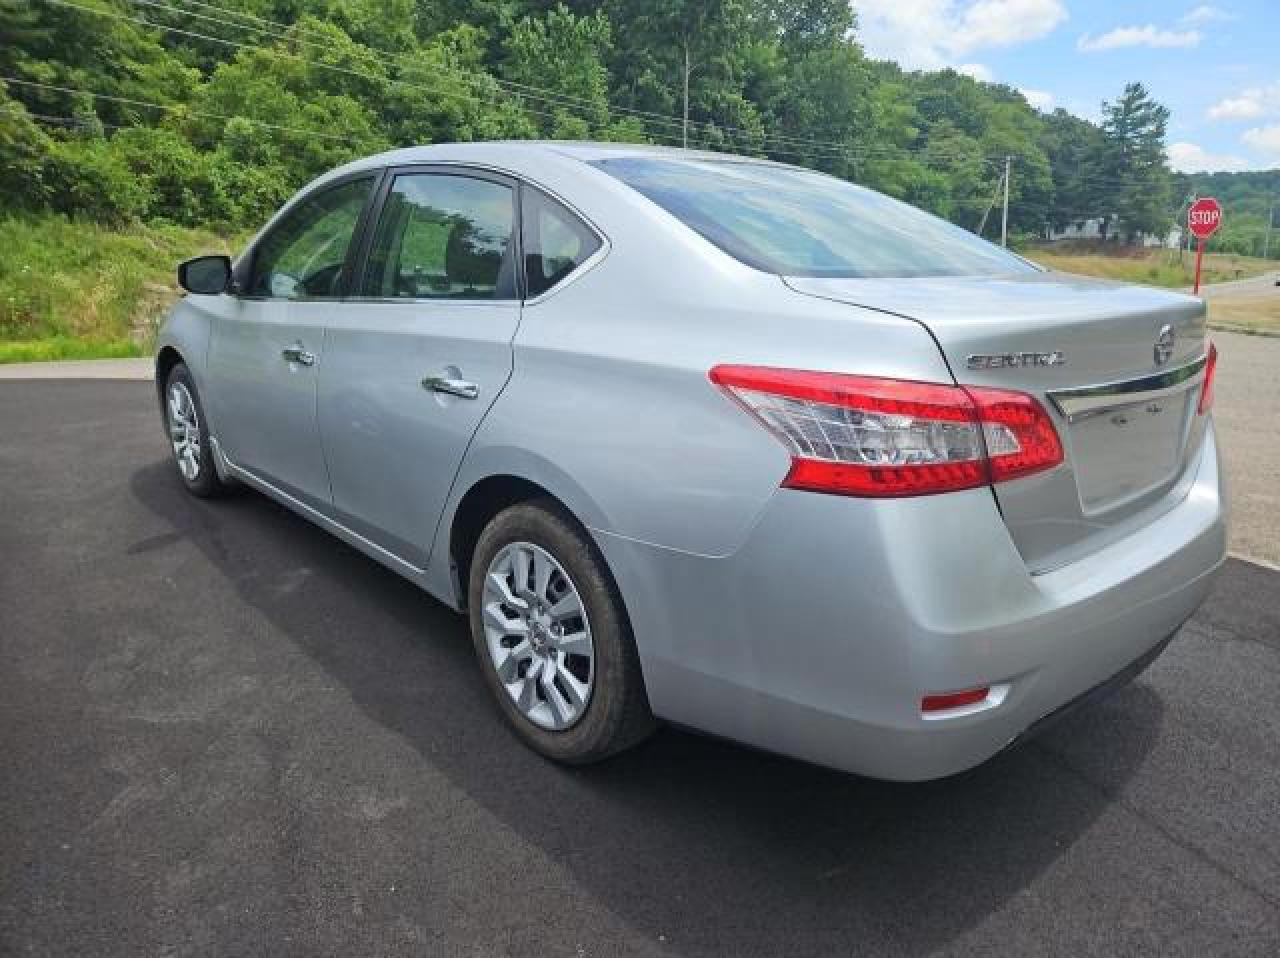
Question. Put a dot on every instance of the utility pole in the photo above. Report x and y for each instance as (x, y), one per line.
(1004, 217)
(1183, 232)
(1266, 242)
(684, 127)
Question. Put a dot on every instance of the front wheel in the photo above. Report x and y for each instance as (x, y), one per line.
(188, 435)
(552, 637)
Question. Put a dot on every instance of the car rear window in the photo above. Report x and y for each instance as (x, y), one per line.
(800, 223)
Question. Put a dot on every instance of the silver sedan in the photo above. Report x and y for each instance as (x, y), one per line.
(714, 441)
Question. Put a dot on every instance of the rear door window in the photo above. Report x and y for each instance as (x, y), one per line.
(443, 236)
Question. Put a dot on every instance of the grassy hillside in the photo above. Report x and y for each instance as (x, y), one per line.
(71, 289)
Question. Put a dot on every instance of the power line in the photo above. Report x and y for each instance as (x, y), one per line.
(816, 148)
(277, 30)
(249, 46)
(176, 109)
(554, 97)
(845, 152)
(52, 120)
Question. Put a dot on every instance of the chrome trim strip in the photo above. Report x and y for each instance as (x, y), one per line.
(1085, 401)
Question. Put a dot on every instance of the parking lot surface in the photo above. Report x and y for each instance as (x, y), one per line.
(224, 733)
(1246, 411)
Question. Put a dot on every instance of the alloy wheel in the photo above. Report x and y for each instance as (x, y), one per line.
(184, 430)
(538, 635)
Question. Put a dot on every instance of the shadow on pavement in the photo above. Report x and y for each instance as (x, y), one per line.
(727, 849)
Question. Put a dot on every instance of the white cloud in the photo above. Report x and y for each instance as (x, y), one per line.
(1193, 158)
(1248, 105)
(929, 34)
(1242, 107)
(1264, 139)
(1038, 98)
(1148, 36)
(978, 71)
(1206, 13)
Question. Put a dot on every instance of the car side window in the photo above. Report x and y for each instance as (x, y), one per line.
(303, 255)
(555, 241)
(443, 236)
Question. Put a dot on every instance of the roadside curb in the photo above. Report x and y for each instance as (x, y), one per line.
(139, 369)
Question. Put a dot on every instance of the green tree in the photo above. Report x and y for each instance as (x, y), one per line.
(443, 93)
(1135, 165)
(24, 155)
(1077, 152)
(563, 53)
(686, 59)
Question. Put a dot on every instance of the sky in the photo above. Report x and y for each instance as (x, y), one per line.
(1215, 65)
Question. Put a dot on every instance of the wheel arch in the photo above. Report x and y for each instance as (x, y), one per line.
(489, 495)
(477, 507)
(166, 359)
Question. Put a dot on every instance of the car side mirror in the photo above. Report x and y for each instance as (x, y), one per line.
(205, 275)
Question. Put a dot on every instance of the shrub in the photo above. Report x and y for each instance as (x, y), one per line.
(89, 177)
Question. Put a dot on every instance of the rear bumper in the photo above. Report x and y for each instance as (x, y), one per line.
(818, 637)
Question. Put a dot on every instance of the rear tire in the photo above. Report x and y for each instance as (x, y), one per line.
(188, 433)
(552, 636)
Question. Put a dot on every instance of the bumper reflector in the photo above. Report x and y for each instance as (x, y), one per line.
(954, 700)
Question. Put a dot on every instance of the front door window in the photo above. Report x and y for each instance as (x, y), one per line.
(304, 254)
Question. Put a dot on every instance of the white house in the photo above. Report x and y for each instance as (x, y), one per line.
(1091, 229)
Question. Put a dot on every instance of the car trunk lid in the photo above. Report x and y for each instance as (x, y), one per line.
(1118, 367)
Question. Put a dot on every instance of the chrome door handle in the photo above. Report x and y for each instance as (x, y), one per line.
(297, 354)
(453, 387)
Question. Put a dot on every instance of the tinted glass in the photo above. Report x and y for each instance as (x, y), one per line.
(800, 223)
(442, 236)
(555, 241)
(302, 256)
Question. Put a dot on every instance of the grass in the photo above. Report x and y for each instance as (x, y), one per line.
(76, 290)
(1248, 311)
(1152, 267)
(1257, 313)
(64, 347)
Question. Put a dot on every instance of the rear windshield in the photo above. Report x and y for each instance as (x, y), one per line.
(799, 223)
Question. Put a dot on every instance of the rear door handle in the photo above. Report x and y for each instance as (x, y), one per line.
(297, 354)
(453, 387)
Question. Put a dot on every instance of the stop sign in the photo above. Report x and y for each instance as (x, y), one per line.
(1204, 218)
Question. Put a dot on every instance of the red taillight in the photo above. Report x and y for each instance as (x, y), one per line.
(954, 700)
(1035, 444)
(1206, 391)
(863, 436)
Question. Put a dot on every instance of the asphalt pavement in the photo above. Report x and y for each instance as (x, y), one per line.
(224, 733)
(1251, 286)
(1246, 413)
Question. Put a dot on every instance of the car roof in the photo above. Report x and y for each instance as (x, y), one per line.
(500, 152)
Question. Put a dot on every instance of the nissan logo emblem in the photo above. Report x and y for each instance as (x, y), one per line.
(1164, 345)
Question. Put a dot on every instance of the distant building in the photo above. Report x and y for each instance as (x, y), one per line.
(1091, 229)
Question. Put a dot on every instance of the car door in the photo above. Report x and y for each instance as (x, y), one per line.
(416, 359)
(265, 355)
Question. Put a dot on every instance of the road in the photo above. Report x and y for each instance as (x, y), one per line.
(1246, 412)
(224, 733)
(1251, 286)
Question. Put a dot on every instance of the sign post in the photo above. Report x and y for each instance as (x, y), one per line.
(1203, 219)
